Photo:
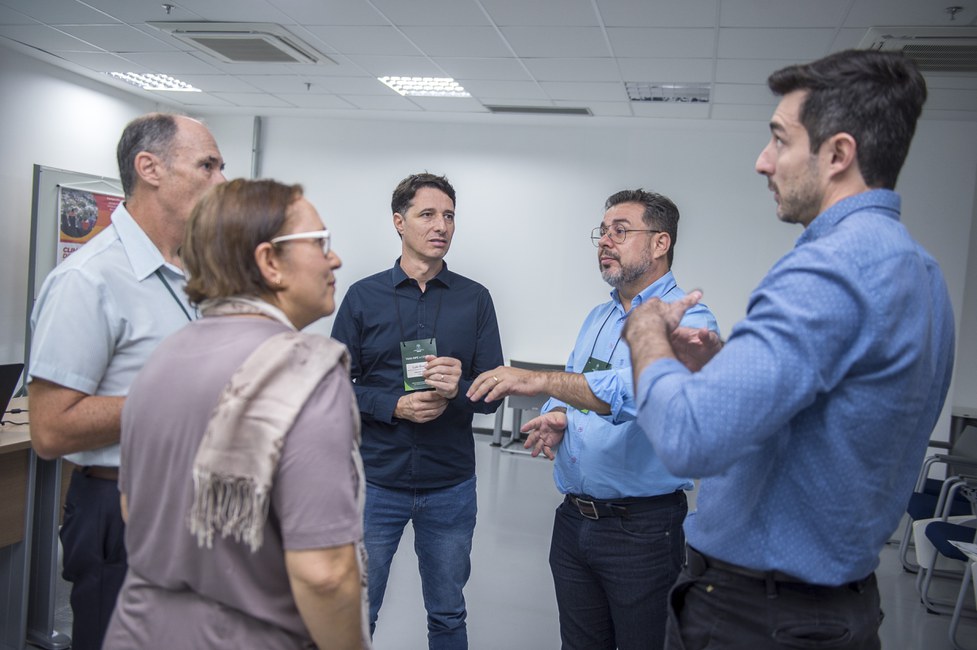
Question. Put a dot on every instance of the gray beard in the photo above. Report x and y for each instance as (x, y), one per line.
(626, 275)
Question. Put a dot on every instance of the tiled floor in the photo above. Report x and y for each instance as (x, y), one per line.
(510, 596)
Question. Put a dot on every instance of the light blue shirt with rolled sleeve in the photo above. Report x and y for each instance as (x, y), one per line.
(610, 457)
(101, 313)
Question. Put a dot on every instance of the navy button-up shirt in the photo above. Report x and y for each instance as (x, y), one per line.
(460, 315)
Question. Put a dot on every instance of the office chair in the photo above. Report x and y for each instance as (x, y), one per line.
(929, 498)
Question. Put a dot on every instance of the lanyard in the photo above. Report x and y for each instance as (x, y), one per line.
(596, 338)
(437, 313)
(166, 284)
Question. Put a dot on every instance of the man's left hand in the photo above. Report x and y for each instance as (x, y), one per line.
(443, 375)
(496, 384)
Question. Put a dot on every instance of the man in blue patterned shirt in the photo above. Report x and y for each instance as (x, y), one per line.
(810, 424)
(617, 542)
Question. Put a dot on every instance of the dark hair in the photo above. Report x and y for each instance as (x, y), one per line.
(153, 133)
(225, 228)
(660, 213)
(876, 97)
(407, 188)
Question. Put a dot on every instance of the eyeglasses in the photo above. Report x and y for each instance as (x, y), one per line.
(322, 235)
(617, 233)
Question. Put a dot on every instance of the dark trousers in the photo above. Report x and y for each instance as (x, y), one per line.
(714, 608)
(612, 574)
(92, 537)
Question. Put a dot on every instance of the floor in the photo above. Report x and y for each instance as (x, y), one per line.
(510, 597)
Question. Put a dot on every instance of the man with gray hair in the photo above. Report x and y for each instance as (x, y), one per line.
(97, 318)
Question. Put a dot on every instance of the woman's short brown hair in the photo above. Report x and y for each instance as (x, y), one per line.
(225, 228)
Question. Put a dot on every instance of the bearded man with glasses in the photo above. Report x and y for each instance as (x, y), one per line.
(617, 542)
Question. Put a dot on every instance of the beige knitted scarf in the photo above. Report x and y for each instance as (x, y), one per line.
(239, 453)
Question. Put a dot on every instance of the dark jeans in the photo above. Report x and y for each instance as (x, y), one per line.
(444, 522)
(93, 538)
(715, 608)
(612, 574)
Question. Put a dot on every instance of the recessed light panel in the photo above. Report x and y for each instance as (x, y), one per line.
(425, 86)
(154, 82)
(657, 91)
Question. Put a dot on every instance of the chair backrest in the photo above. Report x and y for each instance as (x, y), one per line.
(533, 402)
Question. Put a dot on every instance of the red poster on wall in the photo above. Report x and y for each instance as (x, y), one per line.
(83, 215)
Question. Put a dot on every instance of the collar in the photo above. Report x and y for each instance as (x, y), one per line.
(144, 257)
(398, 277)
(883, 202)
(656, 289)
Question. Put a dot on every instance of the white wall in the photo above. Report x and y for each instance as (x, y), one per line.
(56, 119)
(528, 196)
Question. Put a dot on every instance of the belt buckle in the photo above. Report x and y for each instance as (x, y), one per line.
(583, 505)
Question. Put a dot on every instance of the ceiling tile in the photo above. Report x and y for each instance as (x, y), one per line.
(192, 99)
(686, 70)
(944, 99)
(743, 94)
(735, 43)
(506, 89)
(483, 68)
(570, 69)
(457, 41)
(218, 83)
(659, 13)
(59, 12)
(330, 12)
(432, 12)
(104, 62)
(397, 66)
(781, 13)
(391, 102)
(662, 43)
(244, 11)
(557, 41)
(137, 13)
(600, 109)
(597, 91)
(450, 104)
(251, 99)
(519, 12)
(172, 63)
(670, 109)
(47, 39)
(869, 13)
(13, 17)
(749, 71)
(278, 84)
(118, 38)
(354, 86)
(316, 101)
(742, 112)
(365, 40)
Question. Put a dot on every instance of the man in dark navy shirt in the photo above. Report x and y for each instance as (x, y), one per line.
(418, 335)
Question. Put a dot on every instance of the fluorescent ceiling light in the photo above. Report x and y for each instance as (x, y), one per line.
(154, 82)
(657, 91)
(425, 86)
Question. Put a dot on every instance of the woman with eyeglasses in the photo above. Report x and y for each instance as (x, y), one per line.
(241, 478)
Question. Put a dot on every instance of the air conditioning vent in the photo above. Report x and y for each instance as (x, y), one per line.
(934, 49)
(539, 110)
(244, 42)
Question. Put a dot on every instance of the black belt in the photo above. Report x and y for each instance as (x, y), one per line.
(99, 471)
(597, 508)
(699, 562)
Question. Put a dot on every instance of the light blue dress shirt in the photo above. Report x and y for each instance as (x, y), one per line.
(609, 457)
(812, 421)
(100, 314)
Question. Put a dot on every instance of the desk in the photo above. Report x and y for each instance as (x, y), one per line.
(30, 513)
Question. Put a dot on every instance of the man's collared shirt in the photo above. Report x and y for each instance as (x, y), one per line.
(101, 313)
(812, 421)
(377, 314)
(609, 457)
